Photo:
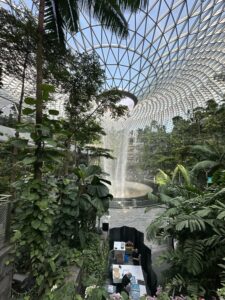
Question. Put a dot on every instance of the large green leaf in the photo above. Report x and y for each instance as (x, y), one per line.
(162, 178)
(29, 160)
(98, 188)
(53, 112)
(30, 101)
(28, 111)
(43, 204)
(184, 172)
(36, 224)
(221, 215)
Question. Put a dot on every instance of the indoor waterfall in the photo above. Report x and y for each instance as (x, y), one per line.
(117, 141)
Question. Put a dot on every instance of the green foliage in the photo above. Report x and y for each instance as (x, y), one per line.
(197, 141)
(87, 103)
(221, 292)
(5, 167)
(59, 16)
(33, 226)
(181, 171)
(18, 38)
(95, 262)
(80, 201)
(196, 221)
(66, 292)
(97, 293)
(162, 178)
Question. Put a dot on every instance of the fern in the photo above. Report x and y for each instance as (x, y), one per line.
(219, 195)
(194, 288)
(205, 212)
(193, 251)
(193, 223)
(214, 240)
(153, 197)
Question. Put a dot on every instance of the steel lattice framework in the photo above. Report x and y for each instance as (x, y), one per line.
(172, 61)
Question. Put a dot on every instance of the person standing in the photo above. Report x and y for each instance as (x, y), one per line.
(136, 257)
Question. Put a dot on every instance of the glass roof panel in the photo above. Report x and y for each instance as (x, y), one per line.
(170, 59)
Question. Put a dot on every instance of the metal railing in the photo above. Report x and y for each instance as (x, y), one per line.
(131, 203)
(4, 219)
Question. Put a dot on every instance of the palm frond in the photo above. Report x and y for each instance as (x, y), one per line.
(152, 197)
(171, 212)
(155, 227)
(214, 241)
(70, 13)
(204, 212)
(184, 172)
(162, 178)
(205, 151)
(193, 223)
(108, 13)
(219, 195)
(204, 165)
(194, 288)
(176, 283)
(132, 5)
(221, 215)
(193, 251)
(170, 201)
(54, 22)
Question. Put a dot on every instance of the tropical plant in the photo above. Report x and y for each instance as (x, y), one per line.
(55, 17)
(162, 149)
(87, 104)
(196, 221)
(66, 292)
(154, 149)
(35, 211)
(211, 158)
(80, 201)
(95, 265)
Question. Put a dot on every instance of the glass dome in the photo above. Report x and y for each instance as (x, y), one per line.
(172, 60)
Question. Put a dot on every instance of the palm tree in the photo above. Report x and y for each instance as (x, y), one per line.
(55, 16)
(211, 157)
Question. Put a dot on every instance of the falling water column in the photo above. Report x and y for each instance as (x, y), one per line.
(117, 141)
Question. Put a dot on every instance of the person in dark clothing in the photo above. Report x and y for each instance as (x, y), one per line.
(136, 257)
(124, 285)
(126, 279)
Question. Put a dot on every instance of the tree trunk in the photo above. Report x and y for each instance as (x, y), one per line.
(67, 157)
(39, 80)
(22, 90)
